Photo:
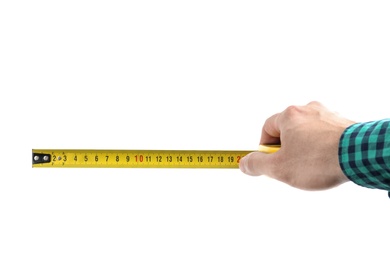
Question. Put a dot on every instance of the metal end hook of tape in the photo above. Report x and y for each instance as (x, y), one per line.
(40, 158)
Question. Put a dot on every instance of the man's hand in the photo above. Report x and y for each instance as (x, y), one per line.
(308, 159)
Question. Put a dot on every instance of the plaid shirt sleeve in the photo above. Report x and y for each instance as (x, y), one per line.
(364, 154)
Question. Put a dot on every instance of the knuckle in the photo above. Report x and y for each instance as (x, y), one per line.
(292, 111)
(314, 103)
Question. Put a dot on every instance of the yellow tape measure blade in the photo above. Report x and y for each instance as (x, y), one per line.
(137, 158)
(269, 148)
(141, 158)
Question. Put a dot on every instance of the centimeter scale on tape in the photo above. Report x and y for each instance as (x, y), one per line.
(66, 158)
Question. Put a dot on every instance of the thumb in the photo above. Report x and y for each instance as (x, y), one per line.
(255, 163)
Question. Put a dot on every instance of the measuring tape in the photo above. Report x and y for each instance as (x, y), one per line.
(141, 158)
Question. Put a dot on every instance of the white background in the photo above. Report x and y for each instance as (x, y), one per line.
(182, 75)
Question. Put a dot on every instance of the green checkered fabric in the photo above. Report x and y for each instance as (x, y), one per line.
(364, 154)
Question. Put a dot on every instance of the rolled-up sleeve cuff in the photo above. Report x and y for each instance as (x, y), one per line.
(364, 154)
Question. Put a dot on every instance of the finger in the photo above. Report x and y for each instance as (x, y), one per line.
(271, 132)
(255, 163)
